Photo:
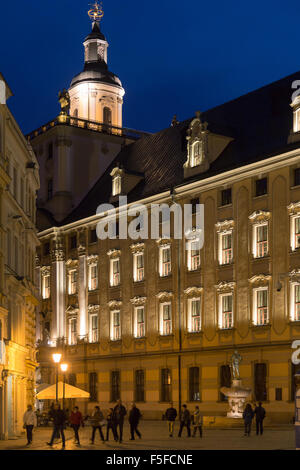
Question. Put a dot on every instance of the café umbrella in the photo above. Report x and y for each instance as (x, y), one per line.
(49, 393)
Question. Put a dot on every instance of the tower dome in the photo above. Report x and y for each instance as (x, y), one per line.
(96, 94)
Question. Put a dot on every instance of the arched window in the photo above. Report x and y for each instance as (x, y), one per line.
(107, 116)
(197, 153)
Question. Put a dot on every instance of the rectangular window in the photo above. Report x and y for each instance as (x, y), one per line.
(139, 322)
(194, 384)
(261, 310)
(226, 248)
(94, 332)
(226, 197)
(295, 369)
(261, 187)
(261, 240)
(226, 313)
(194, 308)
(93, 277)
(115, 393)
(72, 331)
(116, 325)
(72, 282)
(260, 382)
(165, 255)
(225, 380)
(297, 177)
(140, 385)
(297, 231)
(115, 272)
(93, 386)
(194, 256)
(138, 261)
(297, 302)
(46, 286)
(117, 185)
(278, 394)
(166, 319)
(166, 386)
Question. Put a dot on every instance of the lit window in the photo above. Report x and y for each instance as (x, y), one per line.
(46, 286)
(114, 272)
(193, 255)
(138, 267)
(295, 235)
(73, 282)
(165, 261)
(225, 248)
(93, 277)
(197, 153)
(116, 325)
(260, 240)
(295, 302)
(72, 331)
(165, 319)
(297, 120)
(117, 185)
(139, 313)
(226, 313)
(94, 335)
(194, 312)
(260, 307)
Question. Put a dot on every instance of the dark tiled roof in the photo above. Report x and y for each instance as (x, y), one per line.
(259, 122)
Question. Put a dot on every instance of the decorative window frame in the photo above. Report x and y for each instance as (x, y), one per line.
(72, 266)
(197, 133)
(93, 310)
(138, 249)
(72, 313)
(259, 218)
(45, 273)
(294, 213)
(117, 180)
(163, 299)
(224, 227)
(193, 293)
(294, 279)
(164, 244)
(114, 337)
(138, 302)
(259, 282)
(192, 239)
(114, 255)
(296, 114)
(225, 289)
(92, 261)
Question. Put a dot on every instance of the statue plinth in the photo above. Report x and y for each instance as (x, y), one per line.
(237, 395)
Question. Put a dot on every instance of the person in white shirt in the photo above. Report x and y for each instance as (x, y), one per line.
(30, 421)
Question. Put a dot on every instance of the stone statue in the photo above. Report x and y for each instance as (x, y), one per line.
(64, 101)
(236, 359)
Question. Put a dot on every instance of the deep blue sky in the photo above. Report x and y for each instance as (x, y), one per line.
(172, 56)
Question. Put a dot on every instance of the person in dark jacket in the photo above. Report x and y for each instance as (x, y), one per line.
(76, 420)
(248, 416)
(260, 414)
(97, 423)
(111, 424)
(185, 420)
(119, 415)
(171, 415)
(59, 422)
(134, 418)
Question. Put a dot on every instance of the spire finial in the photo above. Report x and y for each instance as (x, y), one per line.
(96, 13)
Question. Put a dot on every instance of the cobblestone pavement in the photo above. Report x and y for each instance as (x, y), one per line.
(155, 437)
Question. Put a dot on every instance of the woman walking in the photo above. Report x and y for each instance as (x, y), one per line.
(97, 423)
(248, 416)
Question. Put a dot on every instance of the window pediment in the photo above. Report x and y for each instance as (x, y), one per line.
(260, 217)
(138, 300)
(193, 291)
(225, 287)
(115, 304)
(294, 208)
(260, 280)
(224, 226)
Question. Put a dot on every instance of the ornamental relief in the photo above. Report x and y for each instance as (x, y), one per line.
(92, 308)
(92, 259)
(193, 291)
(164, 295)
(224, 286)
(115, 304)
(45, 271)
(114, 253)
(260, 280)
(294, 208)
(71, 264)
(294, 276)
(138, 300)
(260, 217)
(224, 226)
(137, 248)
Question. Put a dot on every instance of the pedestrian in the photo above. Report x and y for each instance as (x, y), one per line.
(134, 418)
(171, 415)
(185, 420)
(248, 416)
(260, 414)
(119, 415)
(197, 421)
(30, 421)
(59, 423)
(76, 420)
(111, 424)
(97, 423)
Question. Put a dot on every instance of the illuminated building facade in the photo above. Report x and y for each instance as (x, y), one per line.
(19, 181)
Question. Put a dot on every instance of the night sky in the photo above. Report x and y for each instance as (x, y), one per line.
(172, 56)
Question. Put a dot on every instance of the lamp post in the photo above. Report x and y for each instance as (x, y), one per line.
(56, 358)
(64, 368)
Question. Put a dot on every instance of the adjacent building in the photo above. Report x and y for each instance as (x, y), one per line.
(19, 182)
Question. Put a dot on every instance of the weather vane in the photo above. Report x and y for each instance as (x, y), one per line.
(96, 13)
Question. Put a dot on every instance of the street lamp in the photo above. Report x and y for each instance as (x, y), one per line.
(64, 368)
(56, 358)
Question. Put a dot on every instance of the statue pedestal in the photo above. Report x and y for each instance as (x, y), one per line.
(237, 395)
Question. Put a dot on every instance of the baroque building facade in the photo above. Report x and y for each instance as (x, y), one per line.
(19, 181)
(155, 320)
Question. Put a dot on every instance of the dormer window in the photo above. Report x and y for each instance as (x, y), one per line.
(197, 153)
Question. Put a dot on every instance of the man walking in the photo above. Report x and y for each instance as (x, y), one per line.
(197, 421)
(30, 421)
(171, 415)
(260, 414)
(76, 421)
(111, 425)
(185, 420)
(59, 422)
(134, 418)
(97, 423)
(119, 414)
